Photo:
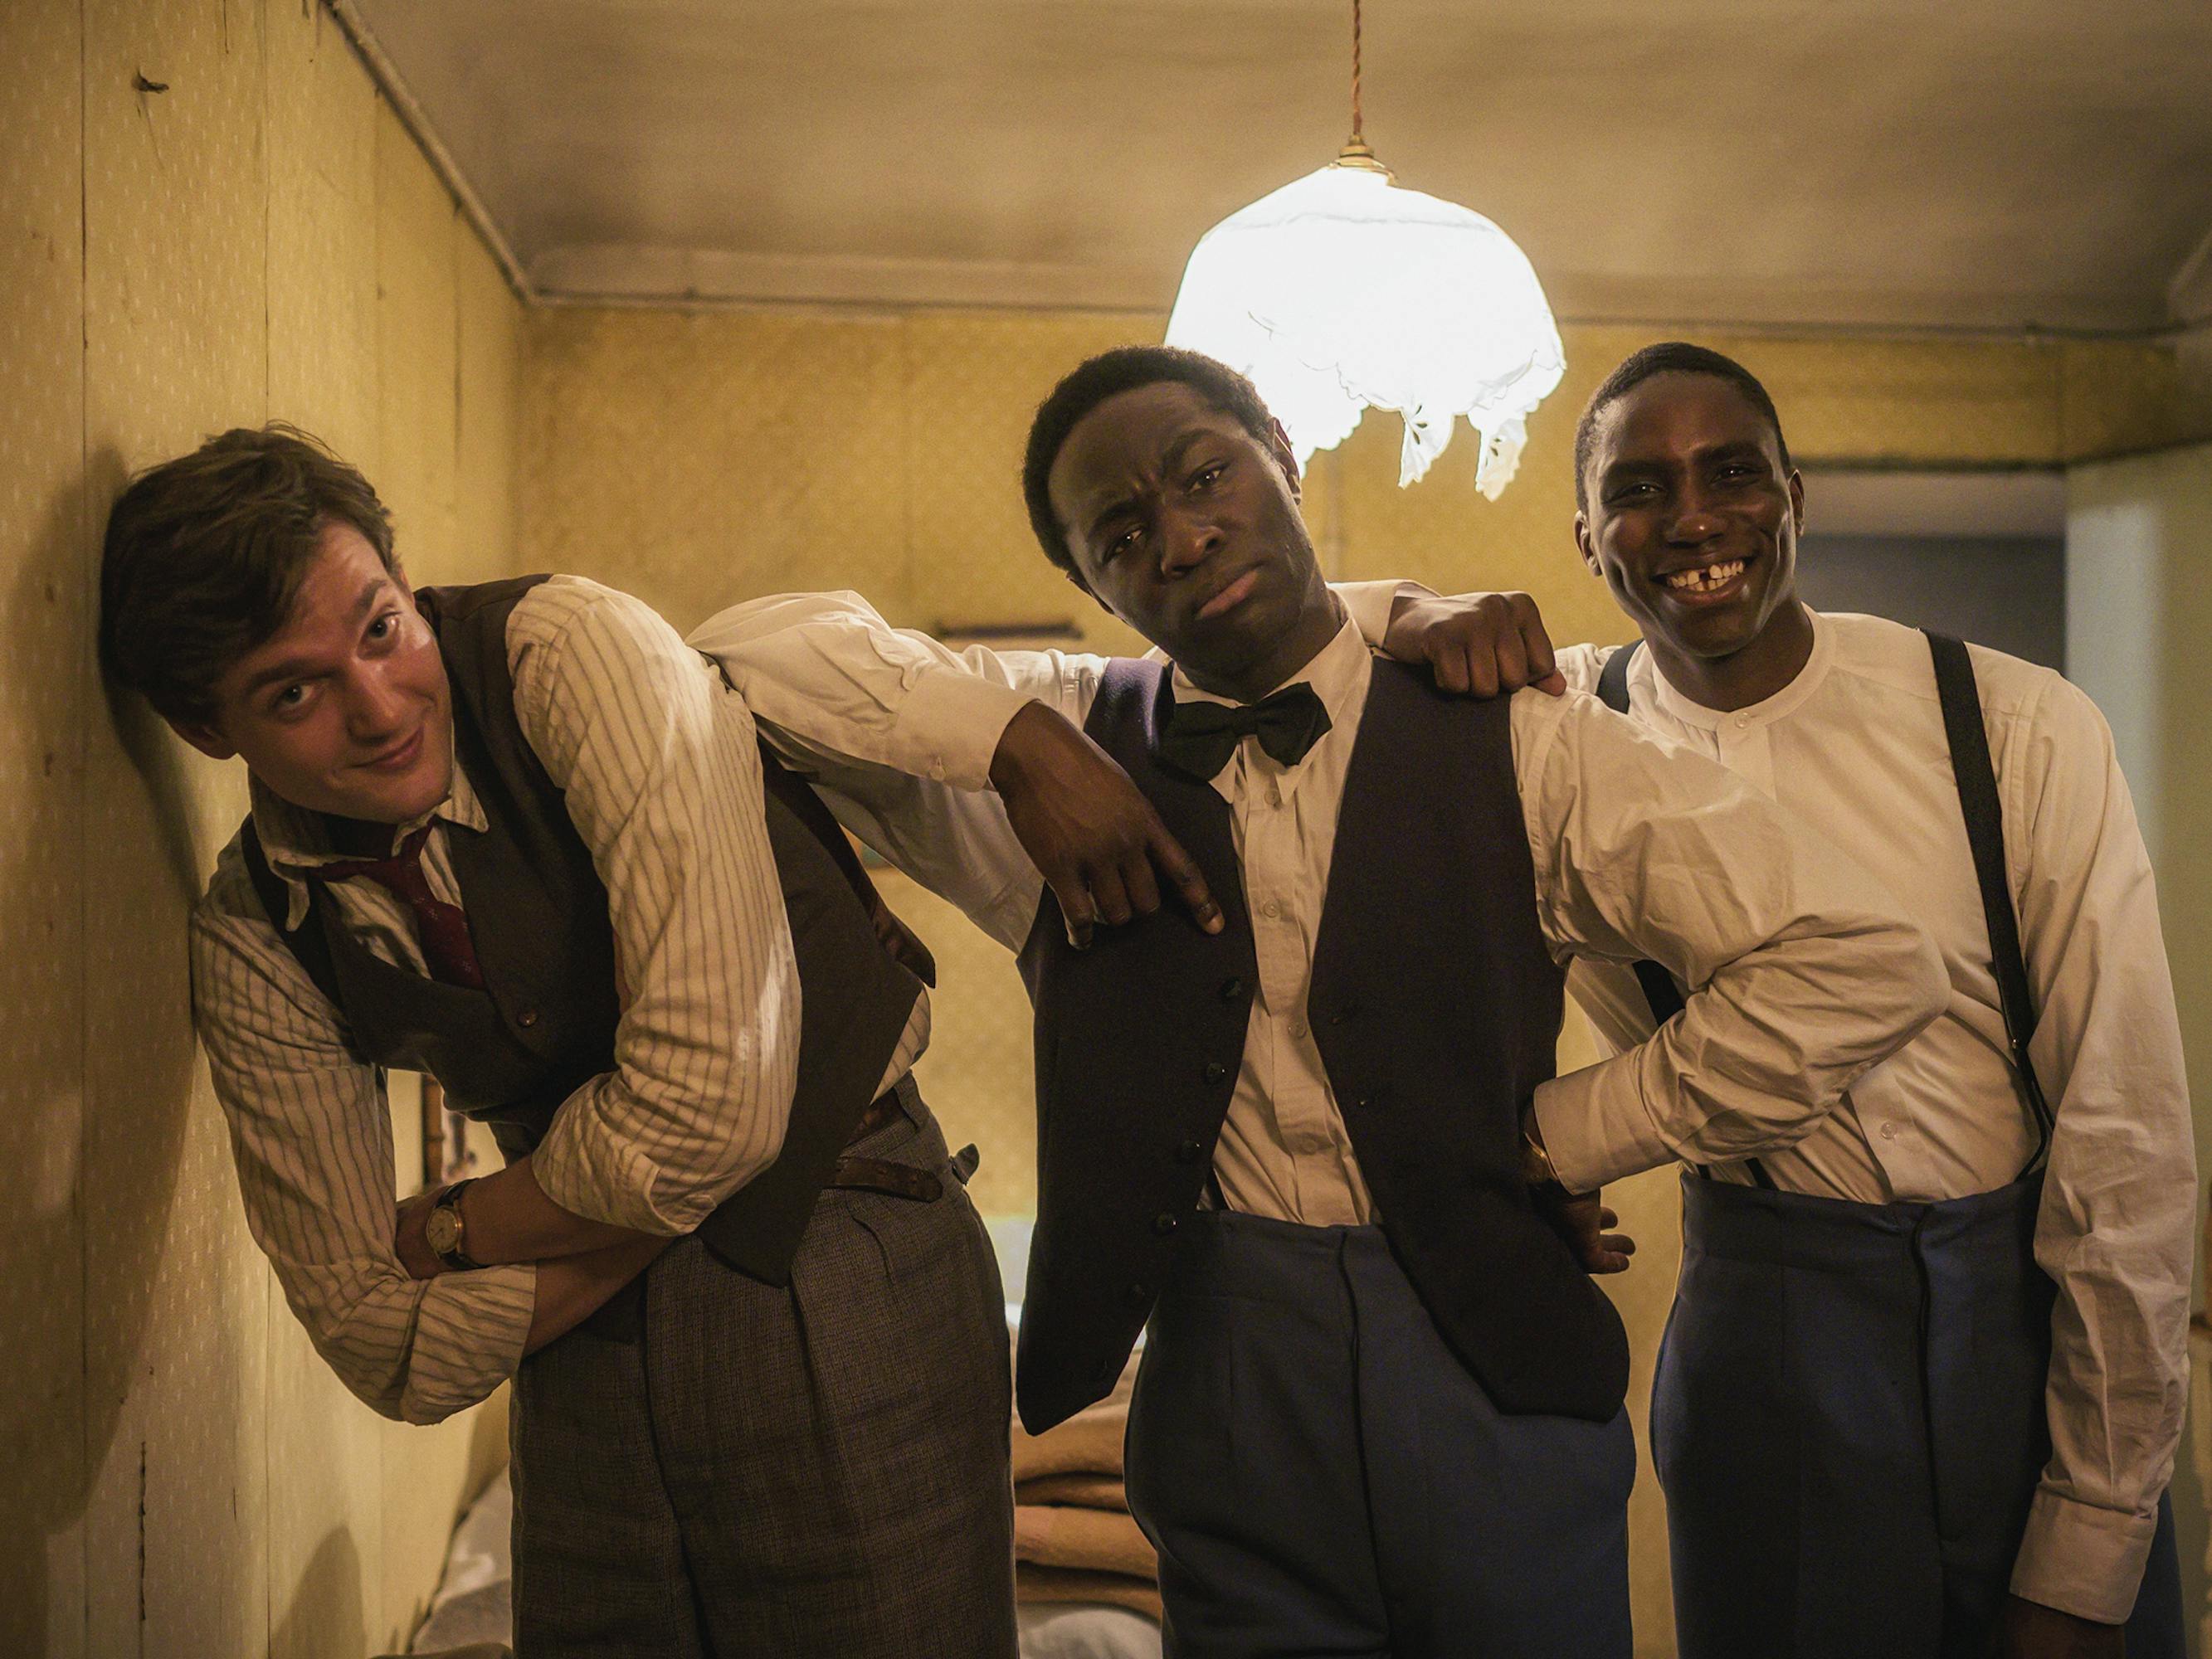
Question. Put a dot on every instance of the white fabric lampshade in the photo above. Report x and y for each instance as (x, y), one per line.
(1341, 290)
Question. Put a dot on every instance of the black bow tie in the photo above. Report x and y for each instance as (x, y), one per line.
(1199, 737)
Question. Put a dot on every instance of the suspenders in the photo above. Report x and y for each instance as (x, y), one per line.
(1978, 800)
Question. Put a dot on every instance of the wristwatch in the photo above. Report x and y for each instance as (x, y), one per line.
(1535, 1158)
(442, 1229)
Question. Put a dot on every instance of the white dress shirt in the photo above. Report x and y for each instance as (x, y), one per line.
(661, 775)
(1855, 744)
(1636, 848)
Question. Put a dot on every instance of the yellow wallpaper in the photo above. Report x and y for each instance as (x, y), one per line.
(43, 703)
(252, 239)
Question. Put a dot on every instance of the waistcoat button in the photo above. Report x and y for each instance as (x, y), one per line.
(1190, 1153)
(1215, 1071)
(1164, 1223)
(1232, 989)
(526, 1018)
(1137, 1295)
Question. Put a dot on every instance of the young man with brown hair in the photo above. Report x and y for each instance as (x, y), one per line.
(517, 836)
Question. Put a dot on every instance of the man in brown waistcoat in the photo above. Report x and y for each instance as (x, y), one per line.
(517, 836)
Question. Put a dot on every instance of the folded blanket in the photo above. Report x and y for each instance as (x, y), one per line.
(1089, 1442)
(1094, 1540)
(1049, 1584)
(1088, 1491)
(1074, 1538)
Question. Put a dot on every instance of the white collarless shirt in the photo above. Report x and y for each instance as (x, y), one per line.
(1855, 744)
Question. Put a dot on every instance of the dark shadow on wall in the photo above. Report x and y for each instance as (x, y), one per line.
(135, 878)
(323, 1613)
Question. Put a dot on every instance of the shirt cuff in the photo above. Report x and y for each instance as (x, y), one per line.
(470, 1331)
(602, 1177)
(953, 722)
(1369, 604)
(1596, 1127)
(2082, 1559)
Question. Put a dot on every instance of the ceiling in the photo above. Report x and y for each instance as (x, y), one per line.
(1944, 163)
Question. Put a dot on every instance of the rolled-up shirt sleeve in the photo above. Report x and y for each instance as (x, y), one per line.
(1803, 970)
(660, 768)
(311, 1135)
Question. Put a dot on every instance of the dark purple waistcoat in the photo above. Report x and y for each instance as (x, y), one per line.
(545, 1024)
(1436, 1007)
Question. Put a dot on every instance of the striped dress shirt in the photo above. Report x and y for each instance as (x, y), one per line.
(658, 763)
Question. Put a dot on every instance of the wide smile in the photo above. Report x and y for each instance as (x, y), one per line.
(398, 758)
(1229, 596)
(1712, 583)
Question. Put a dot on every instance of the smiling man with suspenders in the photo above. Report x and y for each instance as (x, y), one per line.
(1924, 1375)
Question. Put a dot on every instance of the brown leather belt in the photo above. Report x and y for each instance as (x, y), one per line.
(877, 1175)
(621, 1319)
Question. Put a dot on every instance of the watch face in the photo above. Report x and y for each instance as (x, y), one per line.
(442, 1229)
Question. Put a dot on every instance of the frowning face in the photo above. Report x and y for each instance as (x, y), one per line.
(1186, 525)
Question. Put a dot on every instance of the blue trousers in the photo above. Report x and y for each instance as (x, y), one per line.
(1848, 1422)
(1321, 1477)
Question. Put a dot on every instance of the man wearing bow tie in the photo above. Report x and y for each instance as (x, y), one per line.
(1380, 1407)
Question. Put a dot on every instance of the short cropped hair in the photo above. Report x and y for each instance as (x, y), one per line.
(204, 556)
(1668, 357)
(1106, 375)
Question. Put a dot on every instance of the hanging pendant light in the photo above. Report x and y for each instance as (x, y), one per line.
(1341, 292)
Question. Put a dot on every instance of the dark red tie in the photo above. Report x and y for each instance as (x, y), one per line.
(441, 929)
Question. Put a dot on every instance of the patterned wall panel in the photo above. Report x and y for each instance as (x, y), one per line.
(489, 382)
(176, 1345)
(321, 142)
(184, 1475)
(324, 1451)
(416, 348)
(973, 382)
(699, 459)
(43, 705)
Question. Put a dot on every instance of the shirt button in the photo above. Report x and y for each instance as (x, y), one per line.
(1889, 1132)
(1742, 721)
(1270, 909)
(1215, 1071)
(1297, 1028)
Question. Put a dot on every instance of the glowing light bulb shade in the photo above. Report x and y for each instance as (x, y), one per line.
(1342, 291)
